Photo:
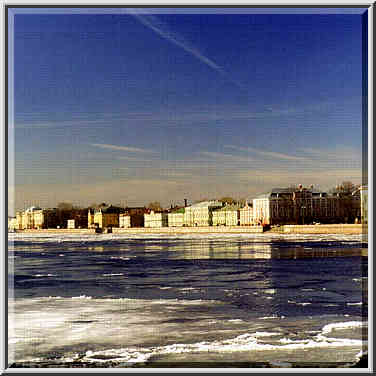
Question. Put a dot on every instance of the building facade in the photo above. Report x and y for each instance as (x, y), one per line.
(104, 216)
(36, 218)
(226, 216)
(297, 206)
(12, 224)
(71, 224)
(155, 219)
(176, 218)
(124, 220)
(26, 219)
(246, 215)
(200, 214)
(364, 203)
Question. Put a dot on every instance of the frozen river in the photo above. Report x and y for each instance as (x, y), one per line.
(191, 300)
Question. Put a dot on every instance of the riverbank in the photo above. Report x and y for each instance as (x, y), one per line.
(326, 229)
(346, 229)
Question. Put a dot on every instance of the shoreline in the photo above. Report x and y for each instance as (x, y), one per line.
(345, 229)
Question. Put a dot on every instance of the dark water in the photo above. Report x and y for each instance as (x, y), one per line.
(116, 301)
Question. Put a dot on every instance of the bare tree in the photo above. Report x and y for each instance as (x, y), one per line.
(155, 205)
(65, 206)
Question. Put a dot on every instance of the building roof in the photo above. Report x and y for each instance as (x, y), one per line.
(110, 209)
(32, 209)
(248, 205)
(290, 190)
(206, 204)
(178, 211)
(276, 191)
(232, 207)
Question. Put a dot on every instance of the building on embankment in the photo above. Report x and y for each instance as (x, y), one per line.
(364, 203)
(246, 215)
(201, 213)
(227, 215)
(154, 219)
(35, 217)
(176, 217)
(301, 206)
(104, 216)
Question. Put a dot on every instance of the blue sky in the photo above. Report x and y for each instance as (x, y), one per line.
(130, 108)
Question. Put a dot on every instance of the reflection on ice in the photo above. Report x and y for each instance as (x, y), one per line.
(203, 246)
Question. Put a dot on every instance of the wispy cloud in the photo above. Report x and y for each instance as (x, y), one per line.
(122, 148)
(222, 157)
(153, 23)
(342, 153)
(270, 154)
(324, 178)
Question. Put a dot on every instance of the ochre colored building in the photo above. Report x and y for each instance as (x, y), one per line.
(104, 216)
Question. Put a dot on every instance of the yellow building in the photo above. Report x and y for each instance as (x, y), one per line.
(36, 218)
(104, 216)
(90, 218)
(18, 221)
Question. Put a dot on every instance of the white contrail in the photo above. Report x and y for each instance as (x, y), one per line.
(122, 148)
(156, 25)
(271, 154)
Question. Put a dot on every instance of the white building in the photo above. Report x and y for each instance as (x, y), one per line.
(70, 223)
(246, 215)
(31, 218)
(201, 214)
(124, 221)
(176, 218)
(155, 219)
(12, 224)
(364, 203)
(226, 216)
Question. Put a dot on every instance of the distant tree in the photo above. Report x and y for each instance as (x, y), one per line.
(349, 206)
(242, 201)
(346, 188)
(155, 205)
(65, 206)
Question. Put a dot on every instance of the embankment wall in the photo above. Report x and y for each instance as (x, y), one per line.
(287, 229)
(59, 231)
(190, 230)
(325, 229)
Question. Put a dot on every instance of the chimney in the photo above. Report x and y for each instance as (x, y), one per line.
(185, 202)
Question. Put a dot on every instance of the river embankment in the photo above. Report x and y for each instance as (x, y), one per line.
(346, 229)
